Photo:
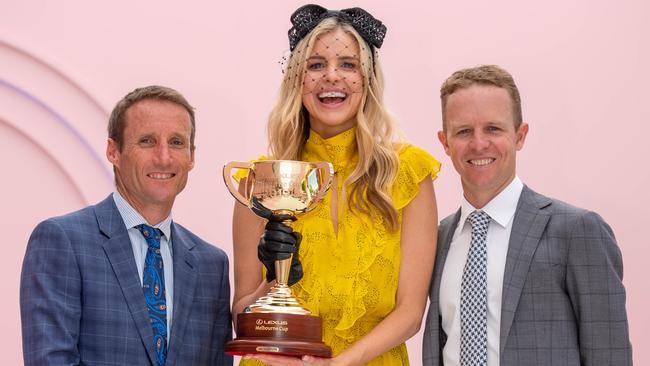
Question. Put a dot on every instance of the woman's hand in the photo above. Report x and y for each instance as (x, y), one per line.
(294, 361)
(278, 242)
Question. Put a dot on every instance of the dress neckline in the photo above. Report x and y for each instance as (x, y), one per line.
(340, 150)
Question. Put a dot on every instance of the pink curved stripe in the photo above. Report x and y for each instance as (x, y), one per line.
(57, 72)
(52, 158)
(59, 118)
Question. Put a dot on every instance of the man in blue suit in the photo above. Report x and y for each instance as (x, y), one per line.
(121, 283)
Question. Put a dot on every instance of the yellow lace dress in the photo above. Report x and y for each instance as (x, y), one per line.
(350, 279)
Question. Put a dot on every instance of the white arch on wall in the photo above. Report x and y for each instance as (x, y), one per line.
(54, 133)
(26, 139)
(59, 116)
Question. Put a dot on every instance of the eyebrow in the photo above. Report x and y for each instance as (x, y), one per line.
(459, 127)
(180, 136)
(146, 134)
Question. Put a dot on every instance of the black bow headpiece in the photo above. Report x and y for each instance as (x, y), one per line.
(307, 18)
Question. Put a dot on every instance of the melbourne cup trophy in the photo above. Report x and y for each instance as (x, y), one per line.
(277, 323)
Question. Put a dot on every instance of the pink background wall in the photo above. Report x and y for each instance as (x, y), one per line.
(582, 68)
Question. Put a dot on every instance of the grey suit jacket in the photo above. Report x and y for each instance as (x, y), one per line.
(82, 303)
(563, 299)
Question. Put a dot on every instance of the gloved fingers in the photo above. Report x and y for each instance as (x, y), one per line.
(281, 217)
(268, 258)
(298, 238)
(272, 247)
(277, 256)
(278, 226)
(296, 266)
(279, 236)
(295, 274)
(264, 212)
(260, 210)
(270, 275)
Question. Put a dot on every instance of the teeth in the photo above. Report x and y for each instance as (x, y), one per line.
(332, 94)
(480, 162)
(161, 175)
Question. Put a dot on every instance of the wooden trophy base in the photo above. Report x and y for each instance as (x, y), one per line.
(278, 334)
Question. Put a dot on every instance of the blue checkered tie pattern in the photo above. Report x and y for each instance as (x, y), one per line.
(153, 286)
(473, 295)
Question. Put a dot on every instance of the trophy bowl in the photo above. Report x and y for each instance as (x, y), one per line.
(277, 323)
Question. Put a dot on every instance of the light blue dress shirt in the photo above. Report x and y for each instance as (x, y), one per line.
(132, 218)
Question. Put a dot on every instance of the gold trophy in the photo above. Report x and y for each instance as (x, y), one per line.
(277, 323)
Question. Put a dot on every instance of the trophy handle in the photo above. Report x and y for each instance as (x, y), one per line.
(328, 173)
(227, 178)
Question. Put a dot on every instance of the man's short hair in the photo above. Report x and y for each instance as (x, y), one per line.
(490, 75)
(117, 120)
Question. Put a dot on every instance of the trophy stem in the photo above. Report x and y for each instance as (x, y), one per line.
(279, 299)
(282, 268)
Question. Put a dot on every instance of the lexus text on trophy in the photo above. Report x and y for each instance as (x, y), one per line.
(277, 323)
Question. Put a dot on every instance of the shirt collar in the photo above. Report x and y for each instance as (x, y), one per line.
(501, 208)
(132, 217)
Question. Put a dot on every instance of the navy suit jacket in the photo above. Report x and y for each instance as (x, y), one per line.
(81, 300)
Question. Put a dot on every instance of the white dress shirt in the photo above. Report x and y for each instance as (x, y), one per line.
(132, 218)
(501, 210)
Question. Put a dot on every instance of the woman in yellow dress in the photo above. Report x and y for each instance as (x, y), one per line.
(367, 251)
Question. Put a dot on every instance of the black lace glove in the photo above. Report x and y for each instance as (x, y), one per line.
(278, 242)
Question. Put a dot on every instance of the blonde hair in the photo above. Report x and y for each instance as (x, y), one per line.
(288, 128)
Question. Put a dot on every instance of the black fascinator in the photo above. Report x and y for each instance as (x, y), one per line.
(307, 17)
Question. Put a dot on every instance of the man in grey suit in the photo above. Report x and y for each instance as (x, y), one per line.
(121, 283)
(520, 279)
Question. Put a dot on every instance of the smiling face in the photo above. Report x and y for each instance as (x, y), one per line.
(152, 166)
(333, 83)
(482, 141)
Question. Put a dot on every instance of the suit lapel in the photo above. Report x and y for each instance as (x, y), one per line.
(185, 278)
(527, 229)
(119, 251)
(445, 234)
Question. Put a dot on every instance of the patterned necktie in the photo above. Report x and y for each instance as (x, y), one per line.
(153, 285)
(473, 295)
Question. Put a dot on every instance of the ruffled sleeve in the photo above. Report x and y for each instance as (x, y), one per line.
(414, 165)
(243, 173)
